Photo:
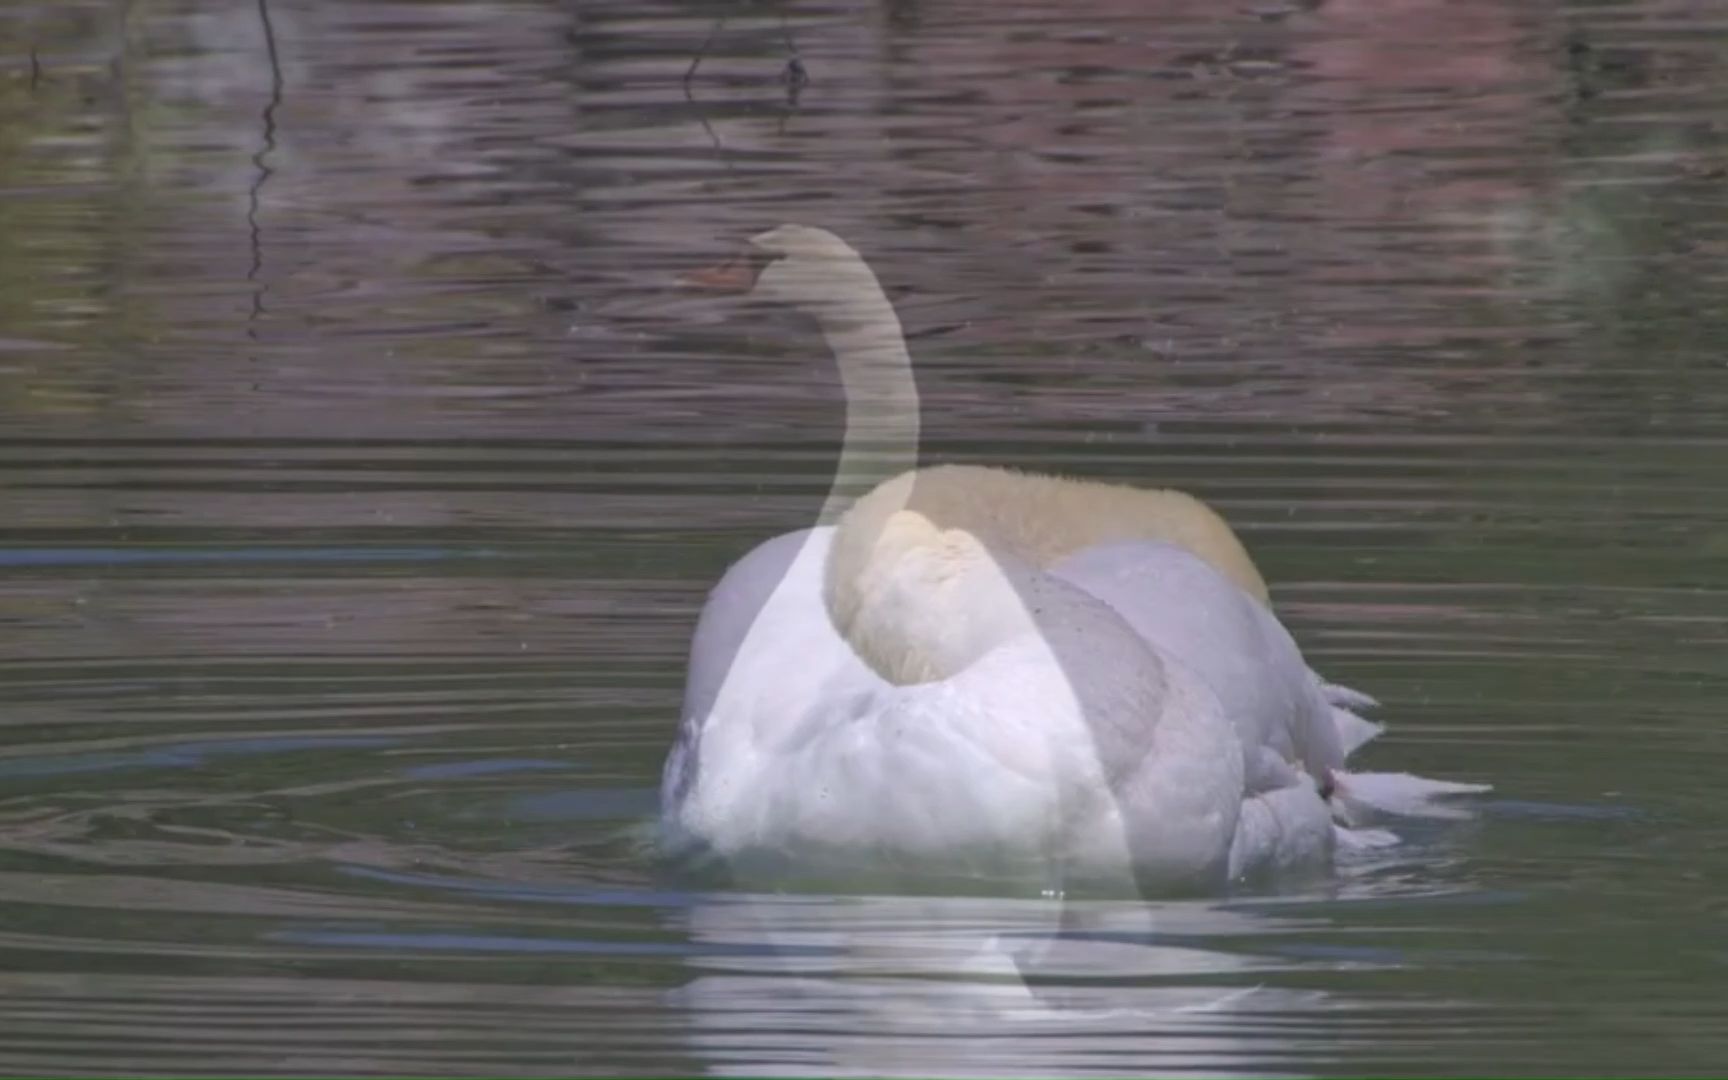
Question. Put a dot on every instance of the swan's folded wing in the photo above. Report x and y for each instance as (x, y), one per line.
(786, 570)
(1280, 831)
(1184, 608)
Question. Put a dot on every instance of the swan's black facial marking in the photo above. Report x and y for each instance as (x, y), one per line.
(758, 259)
(738, 274)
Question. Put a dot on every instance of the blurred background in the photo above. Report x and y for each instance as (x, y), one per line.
(362, 470)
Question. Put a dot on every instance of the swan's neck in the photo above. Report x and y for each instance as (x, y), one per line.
(881, 437)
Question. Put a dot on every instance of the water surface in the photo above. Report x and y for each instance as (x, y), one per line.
(364, 471)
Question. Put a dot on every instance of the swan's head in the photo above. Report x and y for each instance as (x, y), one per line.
(798, 265)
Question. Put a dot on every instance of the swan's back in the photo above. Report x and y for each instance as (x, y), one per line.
(1039, 519)
(918, 593)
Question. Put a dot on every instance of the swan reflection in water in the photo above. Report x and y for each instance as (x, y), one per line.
(801, 985)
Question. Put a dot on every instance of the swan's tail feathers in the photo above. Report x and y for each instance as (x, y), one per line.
(1353, 731)
(1342, 697)
(1360, 798)
(1345, 704)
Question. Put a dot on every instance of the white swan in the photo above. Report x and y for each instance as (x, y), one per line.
(969, 673)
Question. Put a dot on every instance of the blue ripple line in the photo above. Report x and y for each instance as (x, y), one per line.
(120, 556)
(183, 755)
(477, 943)
(542, 894)
(463, 770)
(515, 944)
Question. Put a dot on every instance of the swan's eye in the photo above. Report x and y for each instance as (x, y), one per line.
(750, 262)
(759, 259)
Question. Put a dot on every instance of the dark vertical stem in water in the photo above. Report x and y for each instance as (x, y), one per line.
(701, 53)
(260, 160)
(690, 73)
(794, 75)
(35, 69)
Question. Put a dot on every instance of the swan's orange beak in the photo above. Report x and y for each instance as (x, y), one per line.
(736, 275)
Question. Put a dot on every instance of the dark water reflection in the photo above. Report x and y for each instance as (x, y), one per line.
(363, 474)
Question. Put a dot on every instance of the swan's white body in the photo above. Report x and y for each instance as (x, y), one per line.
(978, 674)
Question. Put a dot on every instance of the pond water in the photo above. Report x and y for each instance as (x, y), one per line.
(364, 469)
